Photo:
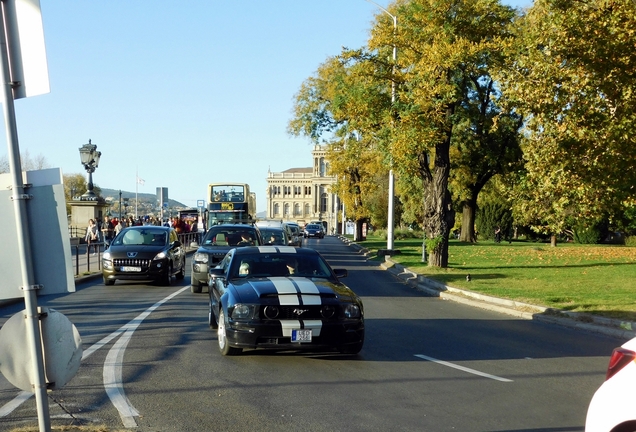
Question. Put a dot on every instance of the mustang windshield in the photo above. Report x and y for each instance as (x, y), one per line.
(273, 265)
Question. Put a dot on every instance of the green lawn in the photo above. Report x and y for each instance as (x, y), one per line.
(597, 279)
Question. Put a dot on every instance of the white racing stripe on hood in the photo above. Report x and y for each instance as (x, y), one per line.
(287, 292)
(291, 290)
(308, 287)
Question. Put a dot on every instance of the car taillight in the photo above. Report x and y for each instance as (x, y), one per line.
(621, 357)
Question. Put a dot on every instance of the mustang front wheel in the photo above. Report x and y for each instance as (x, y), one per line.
(224, 346)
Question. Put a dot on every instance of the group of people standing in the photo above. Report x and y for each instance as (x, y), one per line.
(106, 230)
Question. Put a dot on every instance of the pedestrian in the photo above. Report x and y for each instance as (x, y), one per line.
(498, 235)
(118, 227)
(107, 229)
(92, 235)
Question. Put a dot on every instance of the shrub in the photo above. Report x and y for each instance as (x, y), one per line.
(630, 241)
(493, 215)
(587, 235)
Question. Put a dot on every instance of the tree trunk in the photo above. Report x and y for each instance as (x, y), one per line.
(467, 233)
(439, 217)
(553, 240)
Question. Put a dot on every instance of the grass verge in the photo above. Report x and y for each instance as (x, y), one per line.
(595, 279)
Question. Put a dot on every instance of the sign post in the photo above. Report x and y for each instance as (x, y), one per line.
(20, 23)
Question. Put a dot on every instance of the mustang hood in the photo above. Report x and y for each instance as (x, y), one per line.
(290, 290)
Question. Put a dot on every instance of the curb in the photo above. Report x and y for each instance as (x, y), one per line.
(579, 321)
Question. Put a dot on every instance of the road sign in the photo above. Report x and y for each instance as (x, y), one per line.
(62, 350)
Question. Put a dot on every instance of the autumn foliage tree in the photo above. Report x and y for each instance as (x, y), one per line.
(572, 74)
(446, 49)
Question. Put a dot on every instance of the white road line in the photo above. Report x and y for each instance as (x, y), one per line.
(113, 366)
(465, 369)
(117, 355)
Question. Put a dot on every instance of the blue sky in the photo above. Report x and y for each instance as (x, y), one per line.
(183, 92)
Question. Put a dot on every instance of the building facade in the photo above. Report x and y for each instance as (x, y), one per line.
(304, 194)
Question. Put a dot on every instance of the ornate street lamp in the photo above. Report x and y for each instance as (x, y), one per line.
(90, 159)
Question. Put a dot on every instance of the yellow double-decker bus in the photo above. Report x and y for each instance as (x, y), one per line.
(230, 203)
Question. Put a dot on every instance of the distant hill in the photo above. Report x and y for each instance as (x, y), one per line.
(145, 198)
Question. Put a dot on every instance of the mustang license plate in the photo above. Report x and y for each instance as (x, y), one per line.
(130, 269)
(301, 335)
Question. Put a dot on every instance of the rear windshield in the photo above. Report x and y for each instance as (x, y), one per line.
(223, 236)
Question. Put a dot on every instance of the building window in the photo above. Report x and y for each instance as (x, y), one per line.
(276, 209)
(307, 190)
(297, 209)
(307, 209)
(323, 203)
(286, 210)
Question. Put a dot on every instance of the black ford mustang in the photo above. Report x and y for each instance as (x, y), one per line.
(282, 297)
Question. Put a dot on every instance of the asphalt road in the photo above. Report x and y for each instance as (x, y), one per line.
(152, 364)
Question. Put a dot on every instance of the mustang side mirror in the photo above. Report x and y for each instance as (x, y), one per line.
(340, 273)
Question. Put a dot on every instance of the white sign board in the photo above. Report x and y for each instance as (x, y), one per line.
(48, 231)
(27, 53)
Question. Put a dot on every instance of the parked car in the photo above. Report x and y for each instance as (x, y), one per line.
(144, 253)
(218, 240)
(283, 298)
(275, 236)
(296, 234)
(313, 230)
(612, 407)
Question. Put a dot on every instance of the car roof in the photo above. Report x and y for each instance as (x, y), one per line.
(251, 250)
(234, 226)
(155, 227)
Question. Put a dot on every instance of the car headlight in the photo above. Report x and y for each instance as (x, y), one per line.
(201, 257)
(352, 311)
(160, 255)
(106, 255)
(243, 311)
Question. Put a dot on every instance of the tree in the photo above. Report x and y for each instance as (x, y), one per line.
(341, 105)
(485, 144)
(29, 163)
(75, 185)
(445, 50)
(571, 73)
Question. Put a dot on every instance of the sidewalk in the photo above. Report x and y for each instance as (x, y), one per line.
(611, 327)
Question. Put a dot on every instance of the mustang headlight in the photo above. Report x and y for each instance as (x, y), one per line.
(352, 311)
(201, 257)
(243, 311)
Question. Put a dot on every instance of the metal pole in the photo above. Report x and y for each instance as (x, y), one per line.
(33, 337)
(390, 223)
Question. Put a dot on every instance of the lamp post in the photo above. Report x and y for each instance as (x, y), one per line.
(90, 159)
(389, 236)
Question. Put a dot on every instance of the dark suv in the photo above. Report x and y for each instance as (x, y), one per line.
(144, 253)
(218, 240)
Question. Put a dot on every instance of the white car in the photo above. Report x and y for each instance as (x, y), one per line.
(613, 406)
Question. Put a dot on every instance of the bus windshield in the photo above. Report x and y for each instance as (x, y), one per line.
(227, 193)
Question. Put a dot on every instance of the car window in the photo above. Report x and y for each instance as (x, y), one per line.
(139, 237)
(242, 236)
(276, 265)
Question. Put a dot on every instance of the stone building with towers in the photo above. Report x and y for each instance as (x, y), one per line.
(304, 195)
